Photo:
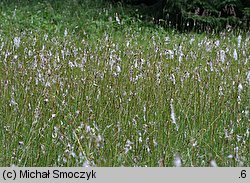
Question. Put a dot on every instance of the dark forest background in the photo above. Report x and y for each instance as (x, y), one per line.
(201, 15)
(195, 14)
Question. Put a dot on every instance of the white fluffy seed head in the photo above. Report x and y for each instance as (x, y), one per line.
(222, 56)
(240, 88)
(235, 55)
(248, 77)
(213, 163)
(173, 114)
(17, 41)
(239, 40)
(177, 160)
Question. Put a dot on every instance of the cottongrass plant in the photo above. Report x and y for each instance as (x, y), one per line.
(114, 92)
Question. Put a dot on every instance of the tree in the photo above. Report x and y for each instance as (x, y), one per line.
(198, 14)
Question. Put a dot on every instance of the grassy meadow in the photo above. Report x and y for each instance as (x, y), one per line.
(90, 84)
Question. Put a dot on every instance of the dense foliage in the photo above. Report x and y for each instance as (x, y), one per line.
(84, 83)
(200, 14)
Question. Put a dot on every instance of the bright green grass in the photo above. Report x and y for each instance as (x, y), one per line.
(83, 88)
